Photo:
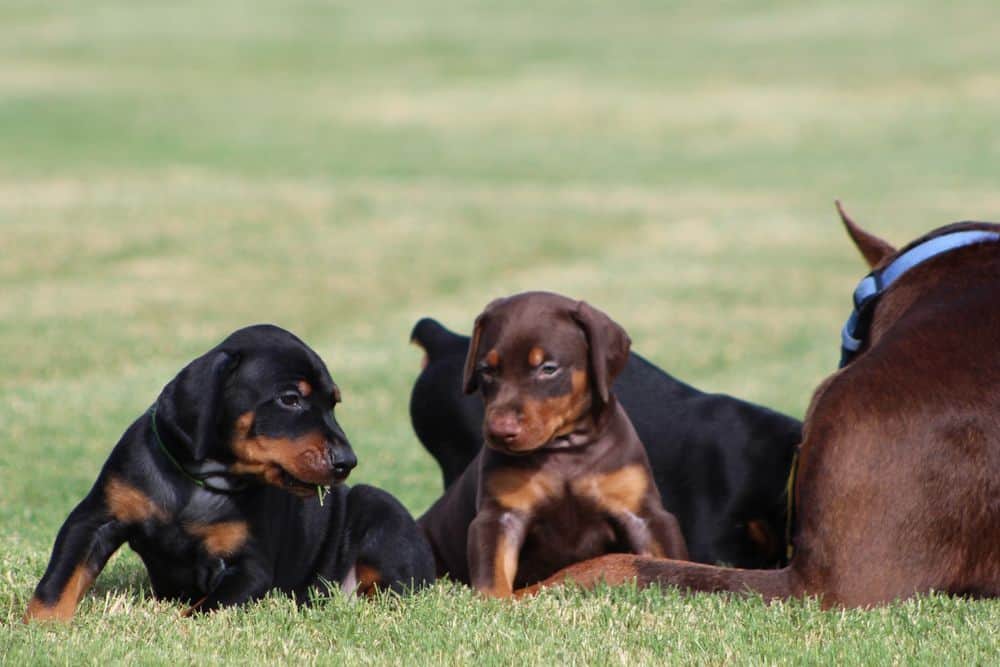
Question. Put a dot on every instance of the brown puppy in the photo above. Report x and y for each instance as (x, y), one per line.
(563, 476)
(899, 472)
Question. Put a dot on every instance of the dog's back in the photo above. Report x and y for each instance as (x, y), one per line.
(910, 432)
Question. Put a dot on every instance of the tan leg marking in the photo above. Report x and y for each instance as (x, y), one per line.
(504, 569)
(762, 536)
(130, 505)
(65, 606)
(368, 579)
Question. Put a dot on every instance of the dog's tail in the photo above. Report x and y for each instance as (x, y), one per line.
(437, 340)
(617, 569)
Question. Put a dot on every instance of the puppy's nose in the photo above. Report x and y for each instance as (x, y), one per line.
(504, 427)
(342, 462)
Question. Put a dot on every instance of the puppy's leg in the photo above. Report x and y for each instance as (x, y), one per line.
(495, 541)
(655, 532)
(667, 540)
(387, 550)
(244, 579)
(83, 546)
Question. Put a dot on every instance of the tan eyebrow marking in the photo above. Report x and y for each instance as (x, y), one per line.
(493, 358)
(536, 356)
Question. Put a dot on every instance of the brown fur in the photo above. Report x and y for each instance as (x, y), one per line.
(763, 537)
(130, 505)
(545, 419)
(564, 476)
(65, 606)
(304, 457)
(897, 481)
(520, 489)
(872, 248)
(369, 579)
(221, 539)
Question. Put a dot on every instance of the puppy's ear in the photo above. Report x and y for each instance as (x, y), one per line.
(609, 346)
(469, 382)
(190, 407)
(872, 248)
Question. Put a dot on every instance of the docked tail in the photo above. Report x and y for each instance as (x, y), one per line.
(616, 569)
(436, 340)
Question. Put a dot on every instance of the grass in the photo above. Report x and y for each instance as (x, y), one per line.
(172, 171)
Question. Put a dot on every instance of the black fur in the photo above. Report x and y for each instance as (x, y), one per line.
(262, 386)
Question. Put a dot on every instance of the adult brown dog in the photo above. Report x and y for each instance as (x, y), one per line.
(898, 486)
(563, 477)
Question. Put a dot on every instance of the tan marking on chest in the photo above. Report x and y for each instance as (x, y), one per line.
(522, 489)
(220, 539)
(65, 606)
(619, 491)
(130, 505)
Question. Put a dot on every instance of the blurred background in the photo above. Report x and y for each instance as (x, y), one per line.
(172, 171)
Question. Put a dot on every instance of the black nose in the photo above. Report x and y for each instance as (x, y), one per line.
(344, 461)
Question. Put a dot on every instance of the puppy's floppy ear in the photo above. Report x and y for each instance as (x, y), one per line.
(469, 382)
(190, 406)
(609, 346)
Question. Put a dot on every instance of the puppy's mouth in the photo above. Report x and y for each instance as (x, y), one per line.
(300, 487)
(277, 475)
(558, 438)
(515, 448)
(292, 483)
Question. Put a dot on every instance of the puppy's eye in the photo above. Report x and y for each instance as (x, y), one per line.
(487, 373)
(549, 368)
(290, 399)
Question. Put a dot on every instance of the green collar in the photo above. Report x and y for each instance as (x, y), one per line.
(211, 476)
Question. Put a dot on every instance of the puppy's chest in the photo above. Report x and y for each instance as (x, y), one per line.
(547, 495)
(204, 525)
(583, 521)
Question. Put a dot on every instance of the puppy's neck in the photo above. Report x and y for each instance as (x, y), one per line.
(588, 428)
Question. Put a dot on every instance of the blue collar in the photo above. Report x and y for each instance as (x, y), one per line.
(875, 283)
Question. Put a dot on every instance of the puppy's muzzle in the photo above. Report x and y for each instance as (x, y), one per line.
(342, 461)
(503, 428)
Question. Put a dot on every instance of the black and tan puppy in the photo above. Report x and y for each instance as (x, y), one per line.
(217, 486)
(563, 476)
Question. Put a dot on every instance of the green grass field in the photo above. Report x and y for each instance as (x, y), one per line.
(172, 171)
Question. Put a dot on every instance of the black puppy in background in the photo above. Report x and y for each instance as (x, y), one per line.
(721, 464)
(218, 488)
